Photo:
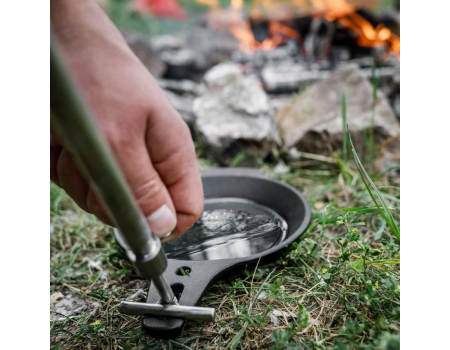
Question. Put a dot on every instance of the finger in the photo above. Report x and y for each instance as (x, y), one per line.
(95, 207)
(149, 190)
(173, 154)
(71, 179)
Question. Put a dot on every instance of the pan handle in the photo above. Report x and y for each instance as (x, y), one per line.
(189, 281)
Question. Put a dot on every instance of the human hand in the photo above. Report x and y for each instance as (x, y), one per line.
(150, 141)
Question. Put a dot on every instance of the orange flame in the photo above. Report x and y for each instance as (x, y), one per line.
(278, 34)
(331, 10)
(368, 36)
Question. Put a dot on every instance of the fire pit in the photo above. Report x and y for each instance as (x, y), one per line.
(235, 78)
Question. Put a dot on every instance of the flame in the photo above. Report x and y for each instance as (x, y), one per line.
(368, 36)
(345, 13)
(341, 11)
(331, 10)
(278, 34)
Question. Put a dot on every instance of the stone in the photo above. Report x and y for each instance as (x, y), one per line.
(262, 296)
(290, 77)
(142, 48)
(283, 78)
(278, 101)
(181, 64)
(280, 55)
(72, 305)
(246, 96)
(391, 89)
(222, 74)
(313, 121)
(166, 42)
(234, 115)
(212, 47)
(182, 86)
(273, 316)
(281, 168)
(189, 53)
(179, 58)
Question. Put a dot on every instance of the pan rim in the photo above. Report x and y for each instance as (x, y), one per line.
(255, 173)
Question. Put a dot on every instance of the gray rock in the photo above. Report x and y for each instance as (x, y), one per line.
(179, 58)
(142, 48)
(313, 122)
(283, 78)
(211, 46)
(278, 101)
(222, 74)
(182, 86)
(280, 55)
(190, 52)
(289, 77)
(246, 96)
(234, 117)
(391, 88)
(166, 42)
(72, 305)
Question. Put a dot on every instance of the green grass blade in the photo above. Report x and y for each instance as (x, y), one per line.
(235, 341)
(238, 159)
(383, 209)
(394, 167)
(372, 154)
(344, 123)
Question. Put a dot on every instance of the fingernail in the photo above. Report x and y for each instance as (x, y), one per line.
(169, 237)
(162, 221)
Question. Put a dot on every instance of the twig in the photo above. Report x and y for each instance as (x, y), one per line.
(316, 320)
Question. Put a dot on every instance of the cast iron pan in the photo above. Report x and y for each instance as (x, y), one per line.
(229, 188)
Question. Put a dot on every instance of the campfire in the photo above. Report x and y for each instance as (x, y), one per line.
(235, 77)
(267, 24)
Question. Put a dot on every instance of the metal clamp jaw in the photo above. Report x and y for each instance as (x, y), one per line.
(151, 266)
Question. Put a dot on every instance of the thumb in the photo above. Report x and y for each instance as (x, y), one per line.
(149, 190)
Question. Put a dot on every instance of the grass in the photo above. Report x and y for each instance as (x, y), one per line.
(338, 287)
(344, 123)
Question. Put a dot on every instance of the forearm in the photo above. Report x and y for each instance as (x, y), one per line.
(149, 140)
(81, 25)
